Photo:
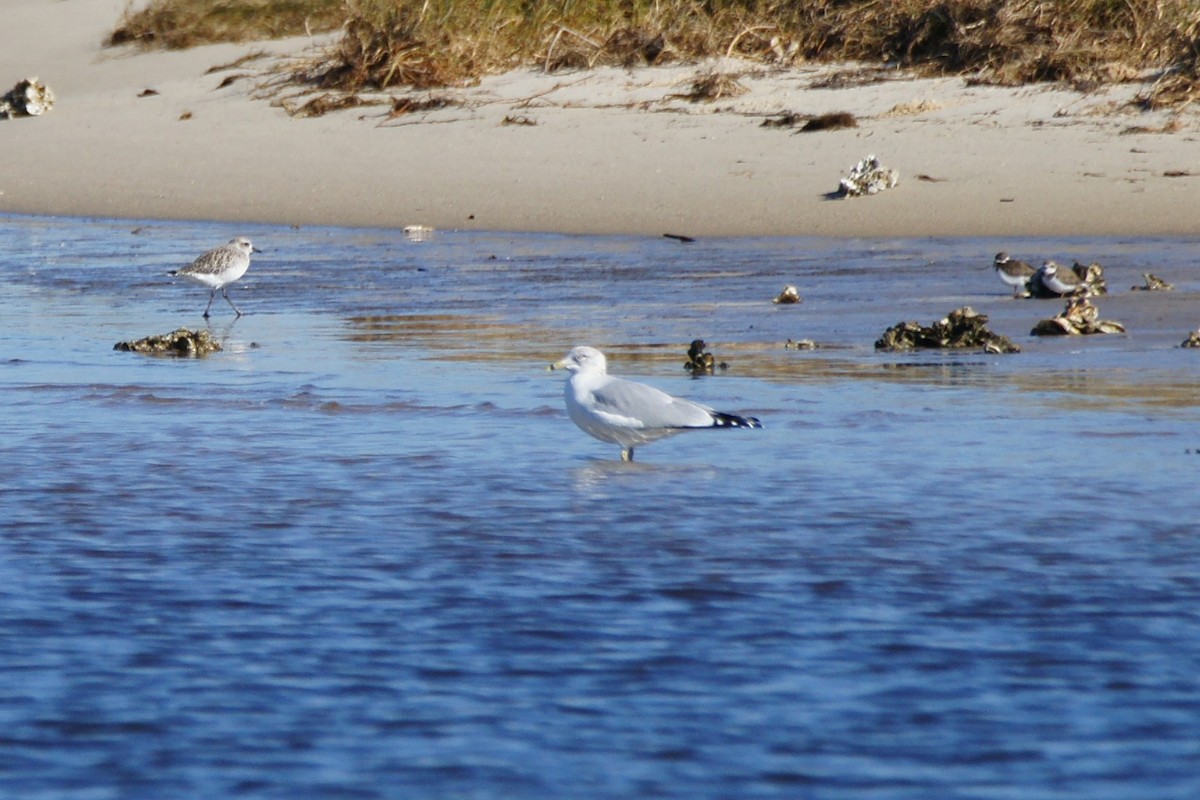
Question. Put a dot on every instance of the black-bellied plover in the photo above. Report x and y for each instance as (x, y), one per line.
(627, 413)
(219, 267)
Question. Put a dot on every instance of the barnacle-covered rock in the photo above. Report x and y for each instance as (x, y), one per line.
(700, 361)
(1193, 340)
(418, 233)
(1153, 284)
(867, 177)
(182, 342)
(790, 294)
(1078, 318)
(962, 328)
(29, 98)
(800, 344)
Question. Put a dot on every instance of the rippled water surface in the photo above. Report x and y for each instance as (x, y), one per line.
(362, 552)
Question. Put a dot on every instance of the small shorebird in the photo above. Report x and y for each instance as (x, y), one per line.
(1059, 280)
(1014, 273)
(219, 267)
(627, 413)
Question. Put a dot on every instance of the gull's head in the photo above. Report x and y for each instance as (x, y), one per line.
(243, 244)
(583, 359)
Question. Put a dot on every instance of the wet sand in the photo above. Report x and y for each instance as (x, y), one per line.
(606, 151)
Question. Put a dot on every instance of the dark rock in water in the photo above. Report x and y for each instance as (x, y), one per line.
(701, 362)
(963, 328)
(182, 342)
(1079, 318)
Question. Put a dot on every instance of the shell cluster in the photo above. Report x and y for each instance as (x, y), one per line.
(29, 98)
(181, 342)
(867, 177)
(960, 329)
(790, 294)
(700, 361)
(1079, 317)
(1153, 284)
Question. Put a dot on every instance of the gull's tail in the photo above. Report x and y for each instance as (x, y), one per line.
(734, 421)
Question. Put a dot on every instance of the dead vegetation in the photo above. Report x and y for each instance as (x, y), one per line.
(178, 24)
(711, 86)
(437, 43)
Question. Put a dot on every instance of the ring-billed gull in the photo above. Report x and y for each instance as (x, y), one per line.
(627, 413)
(218, 267)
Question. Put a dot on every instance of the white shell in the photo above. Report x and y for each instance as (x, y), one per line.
(29, 98)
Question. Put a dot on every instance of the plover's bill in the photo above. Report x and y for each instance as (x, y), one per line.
(1014, 273)
(627, 413)
(1058, 279)
(218, 267)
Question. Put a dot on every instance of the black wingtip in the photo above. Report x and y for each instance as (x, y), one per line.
(734, 421)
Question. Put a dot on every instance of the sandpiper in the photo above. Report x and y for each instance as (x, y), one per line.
(1014, 273)
(218, 267)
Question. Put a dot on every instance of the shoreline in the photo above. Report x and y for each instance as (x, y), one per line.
(609, 151)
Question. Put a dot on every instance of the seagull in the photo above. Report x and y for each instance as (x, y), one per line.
(627, 413)
(1014, 273)
(1058, 280)
(218, 267)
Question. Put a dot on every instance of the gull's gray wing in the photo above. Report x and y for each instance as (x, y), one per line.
(636, 405)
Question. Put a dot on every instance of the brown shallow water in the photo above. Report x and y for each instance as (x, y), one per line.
(361, 552)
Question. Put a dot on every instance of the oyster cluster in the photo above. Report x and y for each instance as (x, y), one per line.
(700, 361)
(1079, 317)
(29, 98)
(963, 328)
(790, 294)
(867, 177)
(1153, 284)
(182, 342)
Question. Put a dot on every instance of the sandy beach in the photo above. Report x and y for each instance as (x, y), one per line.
(605, 151)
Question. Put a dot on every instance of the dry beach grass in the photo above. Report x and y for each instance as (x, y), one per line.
(432, 43)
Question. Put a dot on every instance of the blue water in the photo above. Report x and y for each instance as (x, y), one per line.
(362, 552)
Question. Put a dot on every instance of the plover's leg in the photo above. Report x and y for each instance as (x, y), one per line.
(211, 295)
(225, 294)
